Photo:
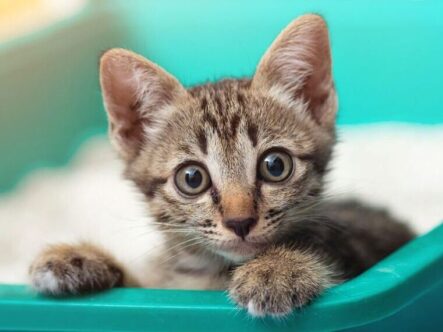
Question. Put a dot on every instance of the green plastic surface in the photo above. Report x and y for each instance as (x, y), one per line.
(387, 65)
(381, 291)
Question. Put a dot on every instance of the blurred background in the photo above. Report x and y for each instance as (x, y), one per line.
(59, 179)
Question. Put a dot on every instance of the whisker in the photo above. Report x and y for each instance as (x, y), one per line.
(168, 250)
(193, 243)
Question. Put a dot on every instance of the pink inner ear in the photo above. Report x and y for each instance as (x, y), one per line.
(120, 85)
(129, 130)
(120, 89)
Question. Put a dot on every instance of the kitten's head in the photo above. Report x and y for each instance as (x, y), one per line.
(235, 163)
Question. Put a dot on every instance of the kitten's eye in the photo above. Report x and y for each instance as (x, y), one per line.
(275, 166)
(192, 180)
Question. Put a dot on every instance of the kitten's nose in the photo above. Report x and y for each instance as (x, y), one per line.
(240, 227)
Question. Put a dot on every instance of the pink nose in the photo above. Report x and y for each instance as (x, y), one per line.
(240, 227)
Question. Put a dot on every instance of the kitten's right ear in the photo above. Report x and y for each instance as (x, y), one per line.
(297, 66)
(135, 94)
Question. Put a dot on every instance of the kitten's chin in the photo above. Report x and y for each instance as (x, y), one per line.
(239, 252)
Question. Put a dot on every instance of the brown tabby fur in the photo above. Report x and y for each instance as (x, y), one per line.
(299, 246)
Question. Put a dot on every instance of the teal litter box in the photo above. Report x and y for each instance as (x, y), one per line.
(388, 67)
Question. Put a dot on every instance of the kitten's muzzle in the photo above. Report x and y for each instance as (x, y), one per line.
(241, 227)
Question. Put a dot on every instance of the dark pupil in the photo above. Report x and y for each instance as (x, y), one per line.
(275, 165)
(193, 178)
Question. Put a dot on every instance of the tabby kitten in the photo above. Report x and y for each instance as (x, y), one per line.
(233, 174)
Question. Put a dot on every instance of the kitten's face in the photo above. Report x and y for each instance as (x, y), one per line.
(229, 152)
(230, 165)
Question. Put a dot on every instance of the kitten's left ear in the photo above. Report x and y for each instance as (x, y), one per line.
(298, 65)
(136, 93)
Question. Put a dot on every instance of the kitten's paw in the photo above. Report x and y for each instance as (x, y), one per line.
(276, 283)
(261, 295)
(65, 269)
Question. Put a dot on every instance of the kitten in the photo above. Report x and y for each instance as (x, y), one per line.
(233, 174)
